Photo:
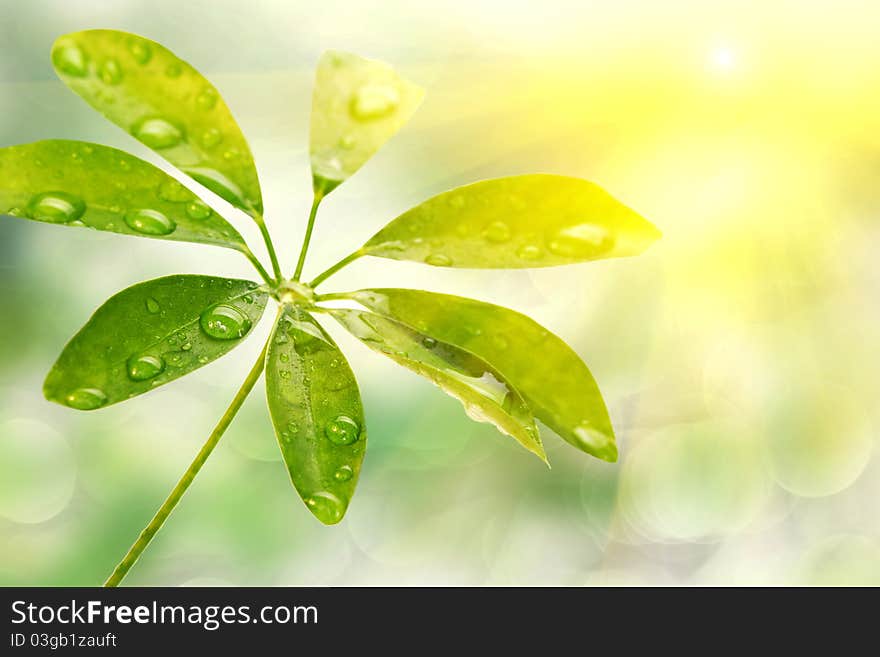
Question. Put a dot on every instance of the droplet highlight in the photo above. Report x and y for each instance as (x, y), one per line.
(158, 133)
(144, 367)
(326, 507)
(225, 322)
(86, 399)
(343, 431)
(149, 222)
(56, 207)
(374, 101)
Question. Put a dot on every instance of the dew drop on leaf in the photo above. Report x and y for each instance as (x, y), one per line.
(581, 241)
(326, 506)
(141, 51)
(149, 222)
(497, 231)
(374, 101)
(211, 137)
(345, 473)
(111, 71)
(158, 133)
(173, 191)
(56, 207)
(86, 399)
(207, 99)
(174, 70)
(342, 431)
(144, 367)
(438, 260)
(528, 252)
(198, 210)
(71, 60)
(225, 322)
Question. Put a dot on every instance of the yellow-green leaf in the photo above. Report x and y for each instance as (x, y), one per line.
(150, 334)
(75, 183)
(317, 413)
(535, 220)
(358, 104)
(166, 104)
(483, 391)
(553, 380)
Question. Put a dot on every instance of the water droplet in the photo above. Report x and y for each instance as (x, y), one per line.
(347, 142)
(174, 70)
(56, 207)
(345, 473)
(186, 346)
(429, 343)
(203, 359)
(149, 222)
(247, 298)
(86, 399)
(374, 101)
(497, 231)
(528, 252)
(284, 374)
(71, 60)
(111, 71)
(231, 154)
(438, 260)
(342, 431)
(15, 212)
(581, 241)
(207, 99)
(141, 51)
(158, 133)
(198, 210)
(211, 137)
(174, 192)
(143, 368)
(284, 358)
(225, 322)
(326, 507)
(594, 441)
(457, 201)
(152, 306)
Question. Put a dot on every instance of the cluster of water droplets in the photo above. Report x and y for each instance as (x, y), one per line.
(575, 242)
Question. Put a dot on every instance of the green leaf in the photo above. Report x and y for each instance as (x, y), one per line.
(536, 220)
(150, 334)
(486, 395)
(553, 380)
(358, 104)
(166, 104)
(75, 183)
(316, 409)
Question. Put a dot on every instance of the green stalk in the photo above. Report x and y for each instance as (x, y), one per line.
(258, 266)
(176, 494)
(316, 201)
(327, 273)
(270, 247)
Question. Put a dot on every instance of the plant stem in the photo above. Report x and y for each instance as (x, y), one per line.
(258, 266)
(270, 247)
(327, 273)
(176, 494)
(316, 201)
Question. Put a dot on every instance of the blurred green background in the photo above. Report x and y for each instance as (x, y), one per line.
(738, 356)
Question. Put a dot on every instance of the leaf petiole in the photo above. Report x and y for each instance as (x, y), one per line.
(327, 273)
(258, 266)
(176, 494)
(270, 247)
(316, 201)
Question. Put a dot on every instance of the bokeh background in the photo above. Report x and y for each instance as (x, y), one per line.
(738, 356)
